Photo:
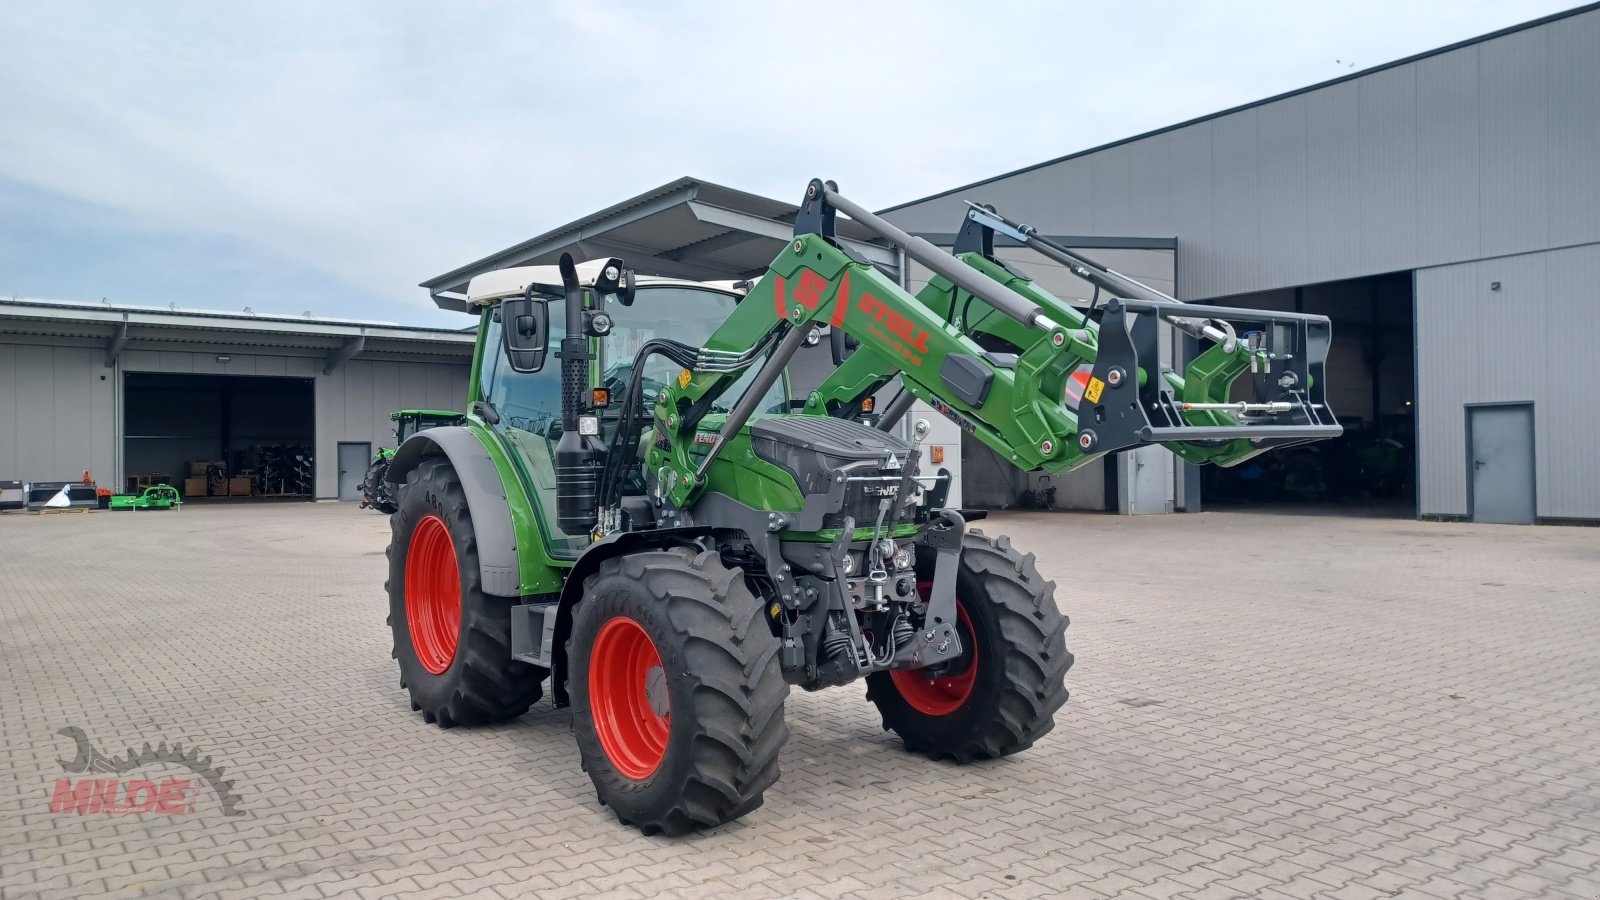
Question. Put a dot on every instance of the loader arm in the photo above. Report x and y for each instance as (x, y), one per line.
(1200, 397)
(1011, 400)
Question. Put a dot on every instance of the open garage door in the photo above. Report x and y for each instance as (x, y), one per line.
(1371, 386)
(220, 437)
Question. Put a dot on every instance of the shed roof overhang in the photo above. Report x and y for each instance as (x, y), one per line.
(684, 229)
(133, 328)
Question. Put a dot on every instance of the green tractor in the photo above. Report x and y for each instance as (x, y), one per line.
(375, 490)
(655, 526)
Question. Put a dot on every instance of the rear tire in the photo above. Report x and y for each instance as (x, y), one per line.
(677, 697)
(1014, 647)
(453, 641)
(375, 488)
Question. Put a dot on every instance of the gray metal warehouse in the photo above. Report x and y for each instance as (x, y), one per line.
(1442, 210)
(122, 392)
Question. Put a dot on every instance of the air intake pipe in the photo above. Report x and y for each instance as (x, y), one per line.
(579, 456)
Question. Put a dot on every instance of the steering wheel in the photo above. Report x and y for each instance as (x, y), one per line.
(616, 381)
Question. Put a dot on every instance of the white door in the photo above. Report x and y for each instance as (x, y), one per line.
(353, 461)
(1501, 441)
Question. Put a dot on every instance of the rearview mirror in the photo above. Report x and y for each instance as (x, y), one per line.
(525, 323)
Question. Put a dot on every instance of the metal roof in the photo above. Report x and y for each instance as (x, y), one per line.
(687, 228)
(142, 327)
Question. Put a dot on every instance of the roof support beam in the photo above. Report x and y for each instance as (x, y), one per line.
(1075, 241)
(344, 353)
(119, 339)
(647, 263)
(713, 245)
(451, 300)
(882, 257)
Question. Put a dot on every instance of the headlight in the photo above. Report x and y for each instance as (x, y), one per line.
(849, 563)
(904, 557)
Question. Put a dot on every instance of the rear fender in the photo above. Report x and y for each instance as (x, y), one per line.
(489, 502)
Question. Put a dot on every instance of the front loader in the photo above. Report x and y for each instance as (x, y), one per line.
(656, 527)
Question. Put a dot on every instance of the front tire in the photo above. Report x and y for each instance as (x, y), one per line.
(1002, 694)
(677, 696)
(453, 641)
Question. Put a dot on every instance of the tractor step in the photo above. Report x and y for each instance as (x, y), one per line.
(533, 633)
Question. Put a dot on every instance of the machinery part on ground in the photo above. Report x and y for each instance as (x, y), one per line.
(284, 470)
(1003, 693)
(155, 496)
(680, 544)
(677, 694)
(453, 641)
(1040, 496)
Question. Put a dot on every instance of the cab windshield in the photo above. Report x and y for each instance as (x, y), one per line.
(529, 404)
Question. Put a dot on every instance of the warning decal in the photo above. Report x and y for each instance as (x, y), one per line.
(1092, 391)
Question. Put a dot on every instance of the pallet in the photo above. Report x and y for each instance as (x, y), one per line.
(57, 512)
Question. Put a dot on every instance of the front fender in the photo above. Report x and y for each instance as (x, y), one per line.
(588, 564)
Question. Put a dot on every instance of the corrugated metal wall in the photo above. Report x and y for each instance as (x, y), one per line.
(353, 404)
(1531, 341)
(64, 403)
(57, 413)
(1487, 150)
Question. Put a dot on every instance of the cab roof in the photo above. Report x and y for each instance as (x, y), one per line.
(489, 287)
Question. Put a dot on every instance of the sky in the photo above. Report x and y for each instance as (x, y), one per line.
(326, 157)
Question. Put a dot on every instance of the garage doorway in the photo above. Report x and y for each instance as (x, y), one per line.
(220, 437)
(1372, 369)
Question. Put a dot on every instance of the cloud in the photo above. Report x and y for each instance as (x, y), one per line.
(376, 144)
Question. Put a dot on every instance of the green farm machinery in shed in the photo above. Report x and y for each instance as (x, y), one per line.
(656, 527)
(376, 492)
(155, 496)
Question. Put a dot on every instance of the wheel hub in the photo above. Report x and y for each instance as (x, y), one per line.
(947, 690)
(655, 690)
(628, 698)
(433, 595)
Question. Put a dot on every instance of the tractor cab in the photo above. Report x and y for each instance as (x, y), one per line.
(410, 421)
(518, 394)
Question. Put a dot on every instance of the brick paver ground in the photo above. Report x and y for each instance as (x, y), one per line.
(1263, 706)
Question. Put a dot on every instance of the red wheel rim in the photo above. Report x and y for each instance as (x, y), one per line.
(628, 698)
(433, 595)
(943, 695)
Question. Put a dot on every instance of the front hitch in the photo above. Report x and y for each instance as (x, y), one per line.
(937, 642)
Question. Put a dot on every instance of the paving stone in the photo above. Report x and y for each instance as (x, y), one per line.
(1345, 707)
